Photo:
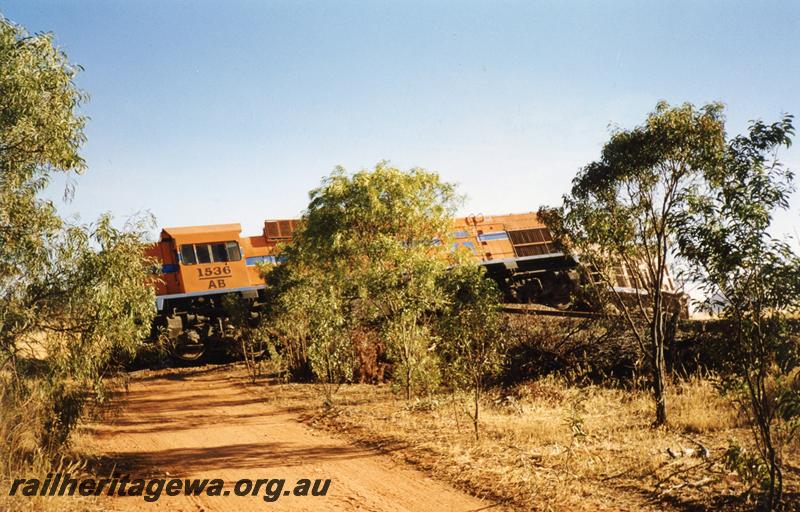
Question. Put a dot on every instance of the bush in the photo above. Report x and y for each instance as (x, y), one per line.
(73, 299)
(586, 350)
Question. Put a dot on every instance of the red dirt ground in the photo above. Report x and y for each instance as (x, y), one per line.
(201, 423)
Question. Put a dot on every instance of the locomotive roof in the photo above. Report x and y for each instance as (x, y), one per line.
(200, 230)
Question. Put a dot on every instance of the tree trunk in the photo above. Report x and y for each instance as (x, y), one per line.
(477, 409)
(659, 362)
(658, 386)
(408, 382)
(774, 489)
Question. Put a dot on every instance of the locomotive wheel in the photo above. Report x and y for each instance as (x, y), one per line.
(189, 346)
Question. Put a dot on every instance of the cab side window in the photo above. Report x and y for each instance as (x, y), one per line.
(192, 254)
(219, 252)
(187, 254)
(203, 254)
(234, 254)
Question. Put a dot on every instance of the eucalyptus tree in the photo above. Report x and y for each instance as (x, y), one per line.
(375, 239)
(471, 331)
(753, 281)
(623, 215)
(408, 298)
(40, 134)
(71, 297)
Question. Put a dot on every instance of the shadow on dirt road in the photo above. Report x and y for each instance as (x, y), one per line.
(202, 423)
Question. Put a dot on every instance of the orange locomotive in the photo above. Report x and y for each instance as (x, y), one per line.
(519, 254)
(200, 265)
(203, 264)
(202, 261)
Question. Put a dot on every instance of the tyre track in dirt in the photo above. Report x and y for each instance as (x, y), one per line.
(202, 424)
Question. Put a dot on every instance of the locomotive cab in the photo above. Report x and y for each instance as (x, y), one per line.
(203, 260)
(201, 266)
(216, 264)
(211, 263)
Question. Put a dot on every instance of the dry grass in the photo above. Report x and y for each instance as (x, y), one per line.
(698, 408)
(38, 467)
(21, 423)
(549, 446)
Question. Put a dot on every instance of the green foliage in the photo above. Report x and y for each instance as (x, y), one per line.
(39, 134)
(410, 345)
(96, 300)
(575, 419)
(472, 334)
(87, 312)
(250, 338)
(409, 296)
(750, 468)
(287, 316)
(374, 214)
(73, 299)
(753, 280)
(39, 125)
(308, 323)
(330, 351)
(624, 212)
(366, 258)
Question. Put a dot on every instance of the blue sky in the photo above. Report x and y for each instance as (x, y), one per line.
(212, 112)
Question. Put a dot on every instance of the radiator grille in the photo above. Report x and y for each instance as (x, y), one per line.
(280, 229)
(532, 242)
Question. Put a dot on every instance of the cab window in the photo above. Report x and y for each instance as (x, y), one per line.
(234, 254)
(203, 254)
(187, 254)
(221, 252)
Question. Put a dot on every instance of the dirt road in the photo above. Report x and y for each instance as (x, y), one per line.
(202, 424)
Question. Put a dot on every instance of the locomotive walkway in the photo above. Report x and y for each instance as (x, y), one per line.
(200, 423)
